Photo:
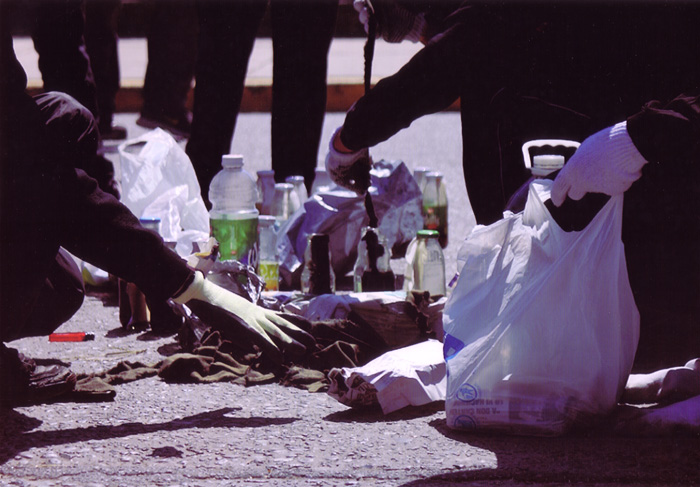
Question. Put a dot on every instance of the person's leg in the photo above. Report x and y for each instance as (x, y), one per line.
(58, 35)
(226, 36)
(101, 42)
(172, 55)
(302, 33)
(59, 299)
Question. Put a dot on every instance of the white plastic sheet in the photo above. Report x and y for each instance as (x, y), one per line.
(410, 376)
(158, 181)
(541, 328)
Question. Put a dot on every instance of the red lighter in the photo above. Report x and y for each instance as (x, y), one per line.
(79, 336)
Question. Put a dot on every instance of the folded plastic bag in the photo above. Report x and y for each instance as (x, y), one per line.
(541, 328)
(158, 181)
(341, 214)
(410, 376)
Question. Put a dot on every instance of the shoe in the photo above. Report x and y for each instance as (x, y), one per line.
(49, 382)
(180, 126)
(113, 132)
(23, 383)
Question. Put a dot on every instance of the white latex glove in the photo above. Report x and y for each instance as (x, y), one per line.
(606, 162)
(349, 170)
(271, 330)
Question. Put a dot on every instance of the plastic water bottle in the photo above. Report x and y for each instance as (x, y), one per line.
(269, 267)
(233, 217)
(435, 205)
(266, 189)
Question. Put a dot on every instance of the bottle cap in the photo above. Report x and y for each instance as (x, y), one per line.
(150, 223)
(285, 186)
(428, 233)
(545, 164)
(232, 160)
(294, 179)
(266, 172)
(266, 220)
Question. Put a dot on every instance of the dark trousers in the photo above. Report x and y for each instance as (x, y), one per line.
(172, 50)
(60, 297)
(302, 32)
(101, 41)
(172, 55)
(58, 28)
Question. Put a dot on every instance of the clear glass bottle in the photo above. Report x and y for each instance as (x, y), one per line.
(419, 175)
(372, 271)
(427, 268)
(268, 268)
(266, 191)
(284, 203)
(299, 187)
(435, 205)
(233, 217)
(318, 276)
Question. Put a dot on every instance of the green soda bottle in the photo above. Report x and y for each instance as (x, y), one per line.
(234, 218)
(435, 205)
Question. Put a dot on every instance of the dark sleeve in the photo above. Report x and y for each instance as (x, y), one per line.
(668, 132)
(428, 83)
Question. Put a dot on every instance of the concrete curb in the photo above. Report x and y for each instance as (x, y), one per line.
(257, 95)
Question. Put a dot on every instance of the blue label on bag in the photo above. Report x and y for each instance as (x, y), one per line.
(451, 346)
(467, 393)
(465, 422)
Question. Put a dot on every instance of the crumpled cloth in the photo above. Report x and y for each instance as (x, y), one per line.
(208, 356)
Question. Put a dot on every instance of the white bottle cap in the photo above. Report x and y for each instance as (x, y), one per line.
(232, 160)
(266, 220)
(544, 164)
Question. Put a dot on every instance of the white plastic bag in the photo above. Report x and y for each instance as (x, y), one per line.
(541, 328)
(158, 181)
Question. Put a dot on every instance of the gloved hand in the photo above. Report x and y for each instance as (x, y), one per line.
(349, 170)
(272, 333)
(394, 22)
(606, 162)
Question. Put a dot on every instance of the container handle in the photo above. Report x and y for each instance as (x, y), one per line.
(542, 143)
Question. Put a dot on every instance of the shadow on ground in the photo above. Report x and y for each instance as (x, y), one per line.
(375, 415)
(595, 458)
(17, 436)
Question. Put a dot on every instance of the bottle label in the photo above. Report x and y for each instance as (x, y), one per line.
(238, 239)
(435, 218)
(269, 271)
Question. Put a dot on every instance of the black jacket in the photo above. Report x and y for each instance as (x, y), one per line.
(525, 71)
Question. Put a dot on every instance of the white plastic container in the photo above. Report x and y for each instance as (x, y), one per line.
(299, 187)
(284, 203)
